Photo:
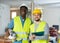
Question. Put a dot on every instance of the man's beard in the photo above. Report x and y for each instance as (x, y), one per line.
(37, 20)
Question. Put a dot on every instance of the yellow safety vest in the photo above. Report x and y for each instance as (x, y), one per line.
(22, 31)
(40, 28)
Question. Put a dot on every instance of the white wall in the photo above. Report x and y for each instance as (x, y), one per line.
(52, 15)
(4, 17)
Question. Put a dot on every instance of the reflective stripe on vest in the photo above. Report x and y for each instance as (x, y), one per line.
(23, 39)
(21, 30)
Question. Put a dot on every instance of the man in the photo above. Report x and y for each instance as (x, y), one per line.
(39, 30)
(53, 35)
(20, 25)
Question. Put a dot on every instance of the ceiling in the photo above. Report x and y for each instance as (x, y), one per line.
(47, 3)
(16, 3)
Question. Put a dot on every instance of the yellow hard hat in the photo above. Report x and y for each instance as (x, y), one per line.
(36, 11)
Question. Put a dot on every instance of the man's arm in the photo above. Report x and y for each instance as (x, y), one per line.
(11, 24)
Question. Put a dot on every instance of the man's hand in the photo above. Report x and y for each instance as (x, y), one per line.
(32, 37)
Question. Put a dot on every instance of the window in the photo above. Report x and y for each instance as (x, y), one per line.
(13, 14)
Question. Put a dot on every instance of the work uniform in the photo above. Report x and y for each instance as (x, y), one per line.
(43, 29)
(21, 28)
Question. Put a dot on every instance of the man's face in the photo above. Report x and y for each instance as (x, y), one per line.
(36, 17)
(23, 11)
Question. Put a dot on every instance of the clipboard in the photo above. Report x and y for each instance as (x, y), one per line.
(38, 33)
